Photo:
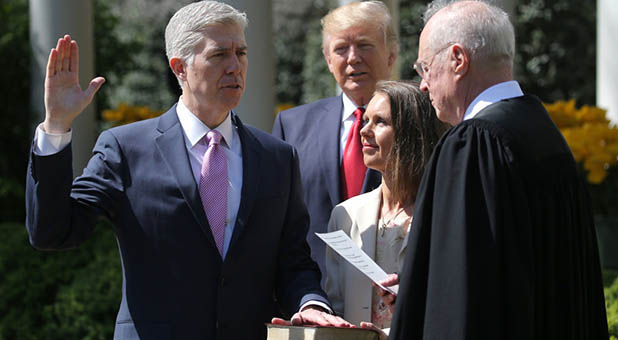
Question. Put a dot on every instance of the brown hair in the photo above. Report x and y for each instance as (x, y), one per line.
(417, 130)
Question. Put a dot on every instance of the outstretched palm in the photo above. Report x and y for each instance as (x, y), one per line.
(64, 98)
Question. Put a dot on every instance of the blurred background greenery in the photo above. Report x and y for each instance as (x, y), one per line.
(75, 294)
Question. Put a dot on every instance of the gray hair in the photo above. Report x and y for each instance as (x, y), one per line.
(483, 29)
(366, 13)
(185, 29)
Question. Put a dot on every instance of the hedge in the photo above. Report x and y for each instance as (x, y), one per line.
(72, 294)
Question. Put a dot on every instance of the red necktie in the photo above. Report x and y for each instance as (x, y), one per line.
(352, 166)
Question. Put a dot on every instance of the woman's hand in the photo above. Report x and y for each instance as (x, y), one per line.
(387, 297)
(368, 325)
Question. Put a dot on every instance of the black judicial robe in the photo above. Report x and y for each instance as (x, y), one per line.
(502, 245)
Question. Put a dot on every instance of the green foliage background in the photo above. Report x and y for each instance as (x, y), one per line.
(49, 295)
(14, 99)
(58, 295)
(556, 49)
(610, 282)
(75, 294)
(302, 74)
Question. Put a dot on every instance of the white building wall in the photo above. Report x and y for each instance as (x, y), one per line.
(607, 50)
(257, 107)
(50, 20)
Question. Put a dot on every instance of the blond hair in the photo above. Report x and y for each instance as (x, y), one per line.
(366, 14)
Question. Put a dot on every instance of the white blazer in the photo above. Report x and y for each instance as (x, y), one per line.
(349, 290)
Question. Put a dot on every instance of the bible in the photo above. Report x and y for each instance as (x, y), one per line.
(278, 332)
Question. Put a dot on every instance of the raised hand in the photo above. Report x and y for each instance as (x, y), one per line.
(64, 98)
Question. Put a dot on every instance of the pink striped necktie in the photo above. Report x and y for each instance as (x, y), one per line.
(213, 187)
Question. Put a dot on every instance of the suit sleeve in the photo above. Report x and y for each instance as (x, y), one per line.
(299, 277)
(61, 213)
(278, 127)
(335, 276)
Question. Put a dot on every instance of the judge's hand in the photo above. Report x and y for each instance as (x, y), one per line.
(368, 325)
(313, 315)
(64, 98)
(387, 297)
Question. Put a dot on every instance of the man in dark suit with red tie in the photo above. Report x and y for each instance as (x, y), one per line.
(208, 212)
(360, 48)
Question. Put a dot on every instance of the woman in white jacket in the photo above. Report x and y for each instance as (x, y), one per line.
(400, 130)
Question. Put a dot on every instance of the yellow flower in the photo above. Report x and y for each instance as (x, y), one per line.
(562, 113)
(282, 107)
(125, 114)
(591, 114)
(112, 115)
(593, 141)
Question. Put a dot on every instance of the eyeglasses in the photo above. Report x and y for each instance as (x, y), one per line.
(423, 69)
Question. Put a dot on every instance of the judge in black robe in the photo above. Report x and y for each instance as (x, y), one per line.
(502, 245)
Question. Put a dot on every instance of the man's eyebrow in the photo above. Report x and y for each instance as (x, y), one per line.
(364, 38)
(226, 49)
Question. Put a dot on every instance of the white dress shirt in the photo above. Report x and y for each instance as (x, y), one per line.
(347, 120)
(493, 94)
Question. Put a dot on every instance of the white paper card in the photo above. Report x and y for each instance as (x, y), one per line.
(343, 245)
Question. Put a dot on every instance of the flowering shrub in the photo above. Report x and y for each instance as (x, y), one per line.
(282, 107)
(125, 114)
(594, 144)
(593, 141)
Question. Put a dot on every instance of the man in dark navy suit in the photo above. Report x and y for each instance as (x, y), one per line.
(208, 212)
(360, 48)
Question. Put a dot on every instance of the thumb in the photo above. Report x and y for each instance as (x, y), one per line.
(297, 319)
(94, 86)
(281, 322)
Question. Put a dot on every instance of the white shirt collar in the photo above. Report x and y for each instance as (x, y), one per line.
(493, 94)
(348, 107)
(195, 129)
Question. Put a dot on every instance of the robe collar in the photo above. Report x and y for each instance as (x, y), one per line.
(493, 94)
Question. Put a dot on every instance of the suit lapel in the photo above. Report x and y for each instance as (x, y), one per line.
(366, 218)
(171, 145)
(373, 178)
(328, 138)
(251, 164)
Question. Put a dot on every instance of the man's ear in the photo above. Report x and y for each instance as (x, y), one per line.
(179, 69)
(459, 59)
(392, 57)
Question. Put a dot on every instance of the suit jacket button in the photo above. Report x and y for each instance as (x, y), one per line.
(222, 281)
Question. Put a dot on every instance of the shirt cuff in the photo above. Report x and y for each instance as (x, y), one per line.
(46, 144)
(316, 303)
